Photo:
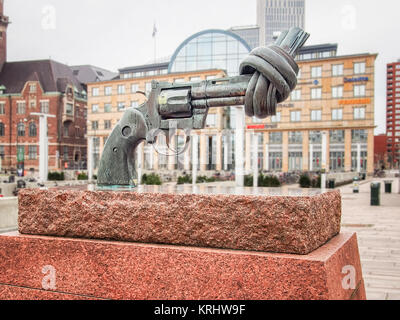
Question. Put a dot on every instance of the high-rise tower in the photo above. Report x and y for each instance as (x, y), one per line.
(3, 35)
(274, 16)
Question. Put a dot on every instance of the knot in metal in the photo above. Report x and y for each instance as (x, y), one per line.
(274, 77)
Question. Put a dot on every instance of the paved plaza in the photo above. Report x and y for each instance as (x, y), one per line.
(378, 231)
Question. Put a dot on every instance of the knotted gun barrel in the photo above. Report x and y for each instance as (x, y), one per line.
(267, 77)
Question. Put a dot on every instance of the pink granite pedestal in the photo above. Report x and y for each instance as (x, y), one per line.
(87, 269)
(180, 244)
(292, 221)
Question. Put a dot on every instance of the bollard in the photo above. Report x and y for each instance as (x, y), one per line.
(388, 186)
(356, 185)
(375, 194)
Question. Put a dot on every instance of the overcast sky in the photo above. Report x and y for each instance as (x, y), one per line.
(118, 33)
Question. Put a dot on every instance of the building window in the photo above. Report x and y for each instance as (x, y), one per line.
(359, 90)
(295, 116)
(337, 114)
(134, 88)
(336, 161)
(121, 89)
(121, 106)
(359, 113)
(336, 136)
(337, 70)
(363, 161)
(2, 129)
(69, 109)
(107, 124)
(44, 107)
(316, 72)
(32, 88)
(108, 91)
(95, 92)
(32, 129)
(316, 93)
(315, 137)
(95, 108)
(296, 137)
(66, 129)
(21, 107)
(359, 136)
(95, 125)
(66, 153)
(276, 118)
(359, 67)
(107, 107)
(316, 115)
(296, 95)
(32, 152)
(21, 129)
(275, 161)
(2, 108)
(2, 152)
(275, 138)
(295, 161)
(337, 92)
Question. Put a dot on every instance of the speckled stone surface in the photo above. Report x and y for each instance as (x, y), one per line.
(297, 222)
(117, 270)
(20, 293)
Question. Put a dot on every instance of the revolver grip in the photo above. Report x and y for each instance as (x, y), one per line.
(117, 165)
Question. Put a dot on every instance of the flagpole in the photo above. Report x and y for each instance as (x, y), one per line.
(155, 41)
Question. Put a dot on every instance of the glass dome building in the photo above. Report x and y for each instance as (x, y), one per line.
(210, 49)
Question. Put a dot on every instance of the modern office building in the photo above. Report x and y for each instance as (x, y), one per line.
(393, 113)
(250, 34)
(274, 16)
(335, 97)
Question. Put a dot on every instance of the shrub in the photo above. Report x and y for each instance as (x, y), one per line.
(56, 176)
(185, 179)
(151, 180)
(248, 181)
(263, 181)
(316, 182)
(305, 181)
(83, 176)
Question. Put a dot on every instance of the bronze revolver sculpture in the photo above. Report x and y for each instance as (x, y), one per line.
(267, 77)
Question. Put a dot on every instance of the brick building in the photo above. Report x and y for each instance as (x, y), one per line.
(380, 153)
(43, 86)
(393, 113)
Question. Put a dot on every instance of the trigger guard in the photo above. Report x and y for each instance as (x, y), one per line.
(175, 152)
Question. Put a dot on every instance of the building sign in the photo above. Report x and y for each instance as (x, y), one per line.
(355, 101)
(21, 155)
(360, 79)
(286, 105)
(262, 126)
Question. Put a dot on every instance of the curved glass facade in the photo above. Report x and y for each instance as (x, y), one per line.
(210, 49)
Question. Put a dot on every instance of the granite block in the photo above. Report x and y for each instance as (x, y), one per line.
(119, 270)
(241, 220)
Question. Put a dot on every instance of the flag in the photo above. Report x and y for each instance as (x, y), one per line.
(154, 30)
